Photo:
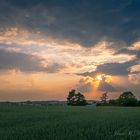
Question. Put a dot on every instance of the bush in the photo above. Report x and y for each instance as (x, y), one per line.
(113, 102)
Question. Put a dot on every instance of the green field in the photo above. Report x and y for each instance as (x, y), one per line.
(69, 123)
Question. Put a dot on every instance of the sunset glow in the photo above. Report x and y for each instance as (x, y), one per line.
(99, 77)
(48, 48)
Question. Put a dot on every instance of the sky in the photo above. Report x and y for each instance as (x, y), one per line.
(48, 47)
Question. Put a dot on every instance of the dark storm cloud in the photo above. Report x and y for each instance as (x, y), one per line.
(115, 68)
(82, 21)
(112, 69)
(24, 62)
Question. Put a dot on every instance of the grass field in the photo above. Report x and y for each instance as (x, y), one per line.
(69, 123)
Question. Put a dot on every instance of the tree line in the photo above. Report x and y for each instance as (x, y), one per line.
(125, 99)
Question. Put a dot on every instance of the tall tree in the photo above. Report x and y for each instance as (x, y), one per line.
(104, 97)
(76, 98)
(127, 99)
(71, 97)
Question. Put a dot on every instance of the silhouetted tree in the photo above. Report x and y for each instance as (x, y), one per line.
(104, 98)
(127, 99)
(112, 102)
(138, 103)
(76, 98)
(28, 102)
(71, 97)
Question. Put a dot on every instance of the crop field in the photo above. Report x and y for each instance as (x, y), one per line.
(69, 123)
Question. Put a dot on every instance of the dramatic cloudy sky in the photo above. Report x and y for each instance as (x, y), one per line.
(48, 47)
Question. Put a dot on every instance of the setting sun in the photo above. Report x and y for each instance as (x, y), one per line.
(103, 77)
(99, 77)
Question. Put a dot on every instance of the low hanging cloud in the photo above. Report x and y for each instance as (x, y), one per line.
(85, 85)
(25, 62)
(104, 86)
